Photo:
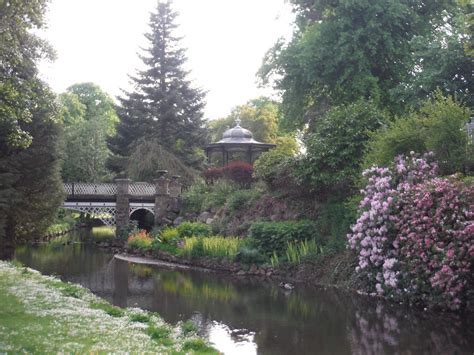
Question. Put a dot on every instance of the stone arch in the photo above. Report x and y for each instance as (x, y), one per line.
(145, 217)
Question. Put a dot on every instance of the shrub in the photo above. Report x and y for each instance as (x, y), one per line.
(198, 346)
(436, 240)
(201, 197)
(159, 333)
(249, 255)
(169, 248)
(414, 236)
(217, 194)
(335, 148)
(169, 235)
(334, 222)
(268, 165)
(140, 240)
(193, 229)
(439, 126)
(193, 197)
(189, 327)
(140, 317)
(274, 236)
(108, 308)
(239, 172)
(241, 199)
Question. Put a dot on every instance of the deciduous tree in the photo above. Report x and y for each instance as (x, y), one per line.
(345, 50)
(30, 185)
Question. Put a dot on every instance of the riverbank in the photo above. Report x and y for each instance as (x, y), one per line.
(332, 270)
(42, 314)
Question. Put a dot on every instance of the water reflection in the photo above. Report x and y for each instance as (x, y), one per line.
(251, 316)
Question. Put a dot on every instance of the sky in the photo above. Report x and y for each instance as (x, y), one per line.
(99, 41)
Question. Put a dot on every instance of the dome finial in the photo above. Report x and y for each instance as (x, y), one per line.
(238, 121)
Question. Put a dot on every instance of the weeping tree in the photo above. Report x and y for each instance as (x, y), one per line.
(148, 156)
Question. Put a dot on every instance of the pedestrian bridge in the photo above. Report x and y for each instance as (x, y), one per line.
(114, 203)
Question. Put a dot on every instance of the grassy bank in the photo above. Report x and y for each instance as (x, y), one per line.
(42, 314)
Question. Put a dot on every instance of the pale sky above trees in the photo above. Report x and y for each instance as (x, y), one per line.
(98, 41)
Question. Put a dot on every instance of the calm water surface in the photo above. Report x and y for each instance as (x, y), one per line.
(255, 317)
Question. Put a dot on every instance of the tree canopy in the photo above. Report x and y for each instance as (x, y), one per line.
(30, 185)
(345, 50)
(20, 49)
(89, 117)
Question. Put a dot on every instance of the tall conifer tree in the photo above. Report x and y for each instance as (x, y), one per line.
(164, 106)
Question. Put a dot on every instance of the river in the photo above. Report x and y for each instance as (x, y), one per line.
(248, 316)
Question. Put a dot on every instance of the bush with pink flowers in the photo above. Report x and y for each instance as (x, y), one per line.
(415, 233)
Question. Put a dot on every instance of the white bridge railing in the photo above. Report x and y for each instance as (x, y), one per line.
(141, 189)
(105, 189)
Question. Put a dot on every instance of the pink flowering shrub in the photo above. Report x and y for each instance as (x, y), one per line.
(435, 231)
(414, 236)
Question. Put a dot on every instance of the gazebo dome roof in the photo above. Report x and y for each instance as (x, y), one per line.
(238, 139)
(237, 134)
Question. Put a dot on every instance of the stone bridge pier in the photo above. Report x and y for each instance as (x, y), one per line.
(166, 200)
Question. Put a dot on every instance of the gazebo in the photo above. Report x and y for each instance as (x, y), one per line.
(237, 141)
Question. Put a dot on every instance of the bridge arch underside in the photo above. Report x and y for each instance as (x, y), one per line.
(105, 212)
(143, 216)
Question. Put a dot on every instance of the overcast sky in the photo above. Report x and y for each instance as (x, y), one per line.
(98, 41)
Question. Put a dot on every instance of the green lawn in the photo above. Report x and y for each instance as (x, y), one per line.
(41, 314)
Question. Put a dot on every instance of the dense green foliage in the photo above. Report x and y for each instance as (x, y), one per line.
(270, 237)
(333, 222)
(201, 197)
(30, 189)
(164, 106)
(193, 229)
(346, 50)
(240, 200)
(438, 126)
(440, 62)
(268, 164)
(336, 146)
(20, 87)
(89, 117)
